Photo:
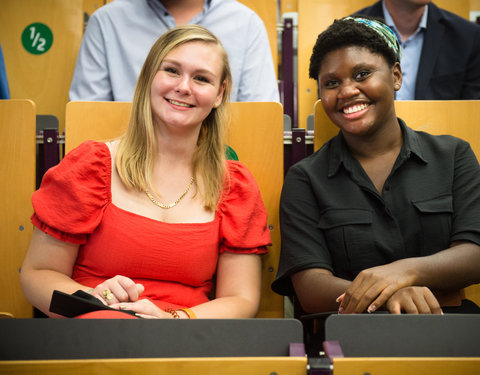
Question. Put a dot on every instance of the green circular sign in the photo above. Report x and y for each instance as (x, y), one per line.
(37, 38)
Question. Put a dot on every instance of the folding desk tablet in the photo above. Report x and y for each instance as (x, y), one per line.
(402, 344)
(150, 346)
(146, 338)
(385, 335)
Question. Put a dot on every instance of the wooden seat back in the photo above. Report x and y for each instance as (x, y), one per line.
(255, 134)
(40, 64)
(17, 168)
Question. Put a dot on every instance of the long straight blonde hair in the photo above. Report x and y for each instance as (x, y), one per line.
(137, 148)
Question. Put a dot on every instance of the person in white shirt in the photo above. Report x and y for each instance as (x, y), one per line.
(119, 35)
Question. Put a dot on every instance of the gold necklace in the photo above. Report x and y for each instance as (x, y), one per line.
(173, 204)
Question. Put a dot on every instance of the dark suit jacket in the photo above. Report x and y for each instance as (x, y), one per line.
(450, 60)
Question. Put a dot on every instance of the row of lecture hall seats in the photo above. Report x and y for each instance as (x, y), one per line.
(259, 147)
(45, 78)
(45, 346)
(242, 346)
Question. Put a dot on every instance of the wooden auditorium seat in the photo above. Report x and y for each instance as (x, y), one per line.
(255, 134)
(90, 6)
(267, 11)
(459, 118)
(42, 77)
(17, 171)
(155, 366)
(406, 365)
(314, 16)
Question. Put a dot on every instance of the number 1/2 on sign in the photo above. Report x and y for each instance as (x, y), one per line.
(37, 38)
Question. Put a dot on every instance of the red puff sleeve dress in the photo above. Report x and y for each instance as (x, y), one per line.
(176, 262)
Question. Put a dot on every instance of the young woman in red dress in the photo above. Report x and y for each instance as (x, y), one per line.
(151, 221)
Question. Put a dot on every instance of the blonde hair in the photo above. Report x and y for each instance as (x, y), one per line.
(135, 154)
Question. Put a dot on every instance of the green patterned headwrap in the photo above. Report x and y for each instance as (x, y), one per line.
(383, 30)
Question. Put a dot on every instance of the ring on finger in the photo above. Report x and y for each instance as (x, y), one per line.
(108, 295)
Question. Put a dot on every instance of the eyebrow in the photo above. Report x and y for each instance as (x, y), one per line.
(363, 65)
(201, 71)
(358, 66)
(328, 76)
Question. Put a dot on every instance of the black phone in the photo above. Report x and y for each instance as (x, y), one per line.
(80, 302)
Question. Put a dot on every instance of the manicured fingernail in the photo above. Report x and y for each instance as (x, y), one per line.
(371, 309)
(340, 310)
(340, 297)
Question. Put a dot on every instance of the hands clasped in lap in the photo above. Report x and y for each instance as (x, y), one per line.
(390, 287)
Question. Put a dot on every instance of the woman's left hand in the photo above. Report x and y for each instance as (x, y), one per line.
(413, 300)
(143, 308)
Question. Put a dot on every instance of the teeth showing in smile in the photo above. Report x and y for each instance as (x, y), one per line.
(355, 108)
(179, 103)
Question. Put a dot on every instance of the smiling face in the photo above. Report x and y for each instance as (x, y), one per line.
(187, 85)
(357, 89)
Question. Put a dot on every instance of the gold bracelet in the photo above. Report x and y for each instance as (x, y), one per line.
(189, 312)
(173, 312)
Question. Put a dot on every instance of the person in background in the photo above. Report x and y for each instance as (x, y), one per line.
(440, 50)
(381, 217)
(119, 35)
(148, 223)
(4, 91)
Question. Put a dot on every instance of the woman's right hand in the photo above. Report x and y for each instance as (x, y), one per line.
(118, 289)
(413, 300)
(373, 287)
